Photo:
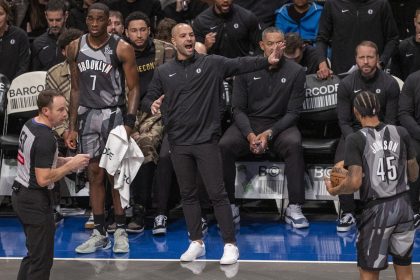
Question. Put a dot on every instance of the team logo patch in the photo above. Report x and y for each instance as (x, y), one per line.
(12, 42)
(198, 70)
(378, 90)
(108, 50)
(283, 80)
(370, 11)
(236, 26)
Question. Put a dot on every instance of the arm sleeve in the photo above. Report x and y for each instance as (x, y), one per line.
(240, 104)
(154, 91)
(325, 30)
(411, 150)
(254, 34)
(198, 30)
(396, 64)
(344, 110)
(406, 108)
(24, 56)
(35, 63)
(391, 112)
(354, 150)
(241, 65)
(44, 150)
(390, 33)
(294, 106)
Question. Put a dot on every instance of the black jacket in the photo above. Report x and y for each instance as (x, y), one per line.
(274, 96)
(407, 59)
(381, 83)
(193, 92)
(14, 53)
(238, 32)
(151, 8)
(346, 23)
(45, 52)
(311, 60)
(409, 105)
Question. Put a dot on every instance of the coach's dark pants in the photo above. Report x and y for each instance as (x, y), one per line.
(287, 146)
(34, 210)
(347, 204)
(206, 160)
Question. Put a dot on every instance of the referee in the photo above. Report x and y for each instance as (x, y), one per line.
(38, 168)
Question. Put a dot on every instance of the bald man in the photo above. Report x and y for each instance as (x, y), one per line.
(189, 90)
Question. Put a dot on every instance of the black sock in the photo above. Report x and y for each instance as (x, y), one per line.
(99, 221)
(120, 221)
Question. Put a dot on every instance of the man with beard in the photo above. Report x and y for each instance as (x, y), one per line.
(189, 90)
(227, 29)
(116, 25)
(367, 77)
(100, 65)
(45, 52)
(150, 53)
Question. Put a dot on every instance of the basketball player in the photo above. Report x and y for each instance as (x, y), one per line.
(380, 158)
(100, 64)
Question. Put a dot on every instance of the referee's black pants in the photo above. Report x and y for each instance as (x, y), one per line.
(287, 146)
(34, 210)
(206, 160)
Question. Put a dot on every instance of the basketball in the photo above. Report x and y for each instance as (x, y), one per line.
(338, 174)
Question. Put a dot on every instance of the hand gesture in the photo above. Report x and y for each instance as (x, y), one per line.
(324, 71)
(275, 56)
(210, 40)
(156, 105)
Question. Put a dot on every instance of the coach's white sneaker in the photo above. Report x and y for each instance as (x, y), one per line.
(195, 250)
(96, 241)
(230, 254)
(120, 241)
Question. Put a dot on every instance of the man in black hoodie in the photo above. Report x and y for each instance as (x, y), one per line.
(189, 90)
(346, 23)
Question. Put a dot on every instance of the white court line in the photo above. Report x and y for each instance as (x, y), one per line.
(200, 260)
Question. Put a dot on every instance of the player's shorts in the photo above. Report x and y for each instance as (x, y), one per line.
(94, 128)
(386, 228)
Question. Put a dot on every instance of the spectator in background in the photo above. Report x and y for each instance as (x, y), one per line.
(14, 45)
(35, 22)
(301, 17)
(407, 58)
(227, 29)
(346, 23)
(151, 8)
(77, 16)
(403, 14)
(263, 9)
(116, 24)
(45, 52)
(184, 10)
(303, 54)
(163, 30)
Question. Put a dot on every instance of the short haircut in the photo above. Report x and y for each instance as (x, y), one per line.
(67, 36)
(99, 6)
(367, 104)
(6, 7)
(163, 29)
(367, 44)
(46, 98)
(136, 16)
(116, 14)
(56, 5)
(293, 42)
(271, 29)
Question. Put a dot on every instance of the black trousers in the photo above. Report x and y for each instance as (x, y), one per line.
(34, 210)
(287, 146)
(206, 160)
(347, 203)
(415, 186)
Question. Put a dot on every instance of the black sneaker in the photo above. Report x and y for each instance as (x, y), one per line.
(137, 222)
(346, 222)
(159, 227)
(416, 220)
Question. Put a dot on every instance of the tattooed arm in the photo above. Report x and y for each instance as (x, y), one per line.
(350, 184)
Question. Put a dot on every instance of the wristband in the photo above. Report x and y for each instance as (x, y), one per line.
(130, 120)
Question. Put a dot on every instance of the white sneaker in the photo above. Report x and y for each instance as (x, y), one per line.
(120, 241)
(90, 224)
(230, 254)
(294, 216)
(195, 250)
(235, 214)
(95, 241)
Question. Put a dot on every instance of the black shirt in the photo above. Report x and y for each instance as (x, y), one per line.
(409, 105)
(151, 8)
(238, 31)
(381, 83)
(145, 61)
(45, 52)
(310, 60)
(407, 58)
(274, 95)
(14, 53)
(193, 93)
(263, 9)
(37, 149)
(295, 15)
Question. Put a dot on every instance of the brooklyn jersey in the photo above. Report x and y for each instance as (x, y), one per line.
(101, 78)
(37, 149)
(382, 152)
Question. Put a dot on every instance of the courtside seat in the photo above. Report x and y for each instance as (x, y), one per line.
(9, 142)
